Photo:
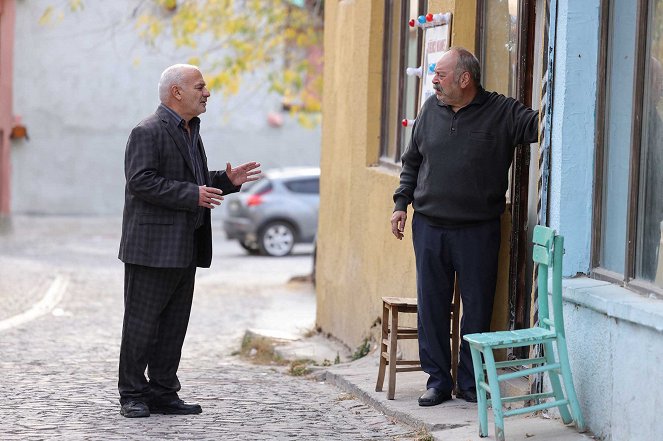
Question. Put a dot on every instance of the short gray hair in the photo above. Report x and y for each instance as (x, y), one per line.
(467, 62)
(172, 76)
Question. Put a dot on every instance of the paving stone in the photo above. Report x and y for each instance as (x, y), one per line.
(59, 371)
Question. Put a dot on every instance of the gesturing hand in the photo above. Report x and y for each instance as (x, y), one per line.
(243, 173)
(208, 197)
(398, 219)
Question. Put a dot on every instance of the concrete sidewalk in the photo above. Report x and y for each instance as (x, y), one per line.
(455, 420)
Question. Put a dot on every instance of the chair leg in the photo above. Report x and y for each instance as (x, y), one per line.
(555, 383)
(482, 402)
(393, 340)
(495, 394)
(383, 348)
(568, 383)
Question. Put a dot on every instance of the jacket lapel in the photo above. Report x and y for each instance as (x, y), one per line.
(177, 137)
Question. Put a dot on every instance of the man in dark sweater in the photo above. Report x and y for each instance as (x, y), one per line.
(455, 174)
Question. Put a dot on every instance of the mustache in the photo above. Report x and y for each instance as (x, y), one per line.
(438, 88)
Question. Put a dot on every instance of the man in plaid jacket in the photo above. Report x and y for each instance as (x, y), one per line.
(166, 234)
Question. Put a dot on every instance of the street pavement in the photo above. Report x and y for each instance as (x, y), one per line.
(60, 326)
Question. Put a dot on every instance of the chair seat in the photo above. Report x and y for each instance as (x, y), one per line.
(517, 337)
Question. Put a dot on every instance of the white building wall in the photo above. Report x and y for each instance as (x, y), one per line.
(82, 84)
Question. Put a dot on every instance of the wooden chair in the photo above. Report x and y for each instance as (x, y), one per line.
(392, 307)
(548, 251)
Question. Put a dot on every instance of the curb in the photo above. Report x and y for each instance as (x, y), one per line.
(403, 417)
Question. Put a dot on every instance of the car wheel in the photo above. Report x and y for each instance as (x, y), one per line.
(250, 247)
(277, 239)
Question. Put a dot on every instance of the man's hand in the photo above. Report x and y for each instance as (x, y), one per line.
(243, 173)
(208, 197)
(398, 219)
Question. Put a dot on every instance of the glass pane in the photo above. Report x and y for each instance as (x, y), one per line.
(499, 51)
(411, 89)
(619, 114)
(392, 76)
(308, 186)
(500, 46)
(650, 207)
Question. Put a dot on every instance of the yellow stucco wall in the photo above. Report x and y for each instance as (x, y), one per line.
(359, 261)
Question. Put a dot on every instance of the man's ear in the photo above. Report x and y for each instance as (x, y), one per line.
(175, 92)
(465, 79)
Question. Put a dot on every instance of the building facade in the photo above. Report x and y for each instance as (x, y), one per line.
(593, 70)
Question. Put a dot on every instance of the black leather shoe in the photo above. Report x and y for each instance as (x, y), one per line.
(433, 397)
(175, 407)
(469, 395)
(134, 409)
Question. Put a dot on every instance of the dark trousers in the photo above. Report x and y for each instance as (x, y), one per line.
(471, 253)
(157, 304)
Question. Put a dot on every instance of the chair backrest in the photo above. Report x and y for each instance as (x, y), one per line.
(548, 251)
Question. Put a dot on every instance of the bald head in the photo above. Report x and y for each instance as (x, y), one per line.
(183, 89)
(173, 76)
(457, 78)
(466, 62)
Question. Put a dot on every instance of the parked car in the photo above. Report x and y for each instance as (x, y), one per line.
(271, 215)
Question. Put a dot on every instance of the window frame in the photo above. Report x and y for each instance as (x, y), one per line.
(387, 125)
(628, 279)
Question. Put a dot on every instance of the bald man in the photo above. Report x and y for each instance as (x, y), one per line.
(455, 175)
(166, 234)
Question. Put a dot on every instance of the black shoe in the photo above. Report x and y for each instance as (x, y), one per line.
(134, 409)
(433, 397)
(469, 395)
(175, 407)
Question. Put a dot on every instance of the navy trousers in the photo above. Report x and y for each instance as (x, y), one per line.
(471, 253)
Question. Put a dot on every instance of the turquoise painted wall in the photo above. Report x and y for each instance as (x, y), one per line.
(573, 130)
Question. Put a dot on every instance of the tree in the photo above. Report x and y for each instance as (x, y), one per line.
(280, 41)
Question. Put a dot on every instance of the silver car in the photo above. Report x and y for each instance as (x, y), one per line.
(271, 215)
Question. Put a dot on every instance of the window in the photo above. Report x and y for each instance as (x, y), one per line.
(402, 49)
(650, 198)
(630, 147)
(308, 186)
(499, 46)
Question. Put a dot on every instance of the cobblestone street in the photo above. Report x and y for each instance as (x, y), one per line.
(58, 359)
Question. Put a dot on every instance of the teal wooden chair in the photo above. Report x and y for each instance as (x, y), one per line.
(548, 250)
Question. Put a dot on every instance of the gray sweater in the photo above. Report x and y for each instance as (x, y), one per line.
(455, 169)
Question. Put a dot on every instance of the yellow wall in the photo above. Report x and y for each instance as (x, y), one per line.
(359, 261)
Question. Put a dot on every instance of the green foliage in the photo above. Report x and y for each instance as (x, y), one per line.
(259, 350)
(362, 350)
(424, 435)
(299, 368)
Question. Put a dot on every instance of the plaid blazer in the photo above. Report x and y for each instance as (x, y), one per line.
(161, 198)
